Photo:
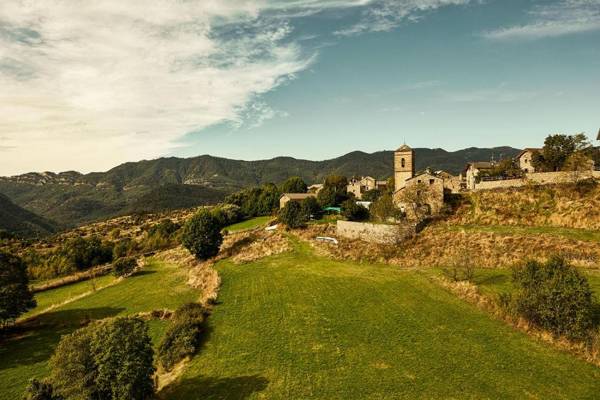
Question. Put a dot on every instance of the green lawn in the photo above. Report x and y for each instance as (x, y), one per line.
(25, 356)
(59, 295)
(570, 233)
(296, 326)
(249, 224)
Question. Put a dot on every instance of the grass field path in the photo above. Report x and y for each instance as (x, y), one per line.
(296, 326)
(24, 356)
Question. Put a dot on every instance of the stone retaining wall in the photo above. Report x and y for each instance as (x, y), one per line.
(538, 178)
(375, 233)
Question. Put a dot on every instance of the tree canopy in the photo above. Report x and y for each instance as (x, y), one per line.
(15, 296)
(202, 235)
(294, 184)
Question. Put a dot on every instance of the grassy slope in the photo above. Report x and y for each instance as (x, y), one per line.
(61, 294)
(300, 326)
(158, 286)
(249, 224)
(570, 233)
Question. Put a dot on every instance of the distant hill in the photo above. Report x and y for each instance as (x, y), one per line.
(18, 221)
(72, 198)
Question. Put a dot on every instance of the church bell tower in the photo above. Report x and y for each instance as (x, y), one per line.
(404, 166)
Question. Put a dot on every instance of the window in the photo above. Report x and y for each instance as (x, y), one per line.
(431, 181)
(403, 162)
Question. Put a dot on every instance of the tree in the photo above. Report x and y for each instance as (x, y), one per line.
(554, 296)
(294, 184)
(384, 210)
(334, 191)
(577, 163)
(415, 199)
(110, 360)
(124, 266)
(291, 215)
(202, 235)
(15, 296)
(557, 149)
(371, 195)
(37, 390)
(354, 212)
(311, 208)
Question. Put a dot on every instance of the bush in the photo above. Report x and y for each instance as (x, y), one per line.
(371, 195)
(354, 212)
(202, 235)
(383, 209)
(554, 296)
(37, 390)
(227, 214)
(292, 216)
(183, 336)
(311, 208)
(15, 296)
(110, 360)
(124, 266)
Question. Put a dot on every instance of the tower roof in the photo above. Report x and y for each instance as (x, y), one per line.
(404, 147)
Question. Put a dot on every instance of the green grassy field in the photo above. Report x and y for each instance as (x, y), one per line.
(296, 326)
(249, 224)
(59, 295)
(570, 233)
(25, 355)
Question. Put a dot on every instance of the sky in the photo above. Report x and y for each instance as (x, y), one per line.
(86, 85)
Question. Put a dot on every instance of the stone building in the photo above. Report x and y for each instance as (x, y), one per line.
(411, 189)
(524, 159)
(364, 184)
(287, 197)
(473, 169)
(404, 166)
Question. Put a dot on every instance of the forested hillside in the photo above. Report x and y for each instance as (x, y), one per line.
(16, 220)
(72, 198)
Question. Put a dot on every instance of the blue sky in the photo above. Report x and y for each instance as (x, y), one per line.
(108, 83)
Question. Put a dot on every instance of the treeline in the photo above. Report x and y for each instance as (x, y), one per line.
(79, 254)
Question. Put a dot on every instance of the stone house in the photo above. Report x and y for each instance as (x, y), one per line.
(287, 197)
(524, 159)
(406, 180)
(364, 184)
(433, 197)
(472, 170)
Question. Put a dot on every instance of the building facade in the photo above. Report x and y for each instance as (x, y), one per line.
(404, 166)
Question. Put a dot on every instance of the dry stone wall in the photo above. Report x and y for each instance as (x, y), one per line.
(538, 178)
(375, 233)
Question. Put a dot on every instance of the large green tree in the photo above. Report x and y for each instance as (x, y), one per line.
(334, 191)
(108, 360)
(202, 235)
(294, 184)
(557, 150)
(15, 296)
(292, 215)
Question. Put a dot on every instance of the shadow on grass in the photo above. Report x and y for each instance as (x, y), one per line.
(239, 388)
(34, 341)
(492, 280)
(142, 273)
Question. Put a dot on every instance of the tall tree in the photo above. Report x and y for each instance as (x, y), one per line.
(294, 184)
(202, 235)
(557, 149)
(15, 296)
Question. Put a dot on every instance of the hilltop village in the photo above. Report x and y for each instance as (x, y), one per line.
(419, 195)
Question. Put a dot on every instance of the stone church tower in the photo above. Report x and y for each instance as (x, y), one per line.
(404, 166)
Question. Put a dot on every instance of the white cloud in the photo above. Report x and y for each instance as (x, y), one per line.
(104, 82)
(549, 20)
(385, 15)
(90, 85)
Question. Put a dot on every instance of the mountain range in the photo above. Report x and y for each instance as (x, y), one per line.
(71, 198)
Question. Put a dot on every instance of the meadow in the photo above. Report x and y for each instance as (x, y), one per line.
(297, 325)
(25, 354)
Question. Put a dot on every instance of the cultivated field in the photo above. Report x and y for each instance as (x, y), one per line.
(300, 326)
